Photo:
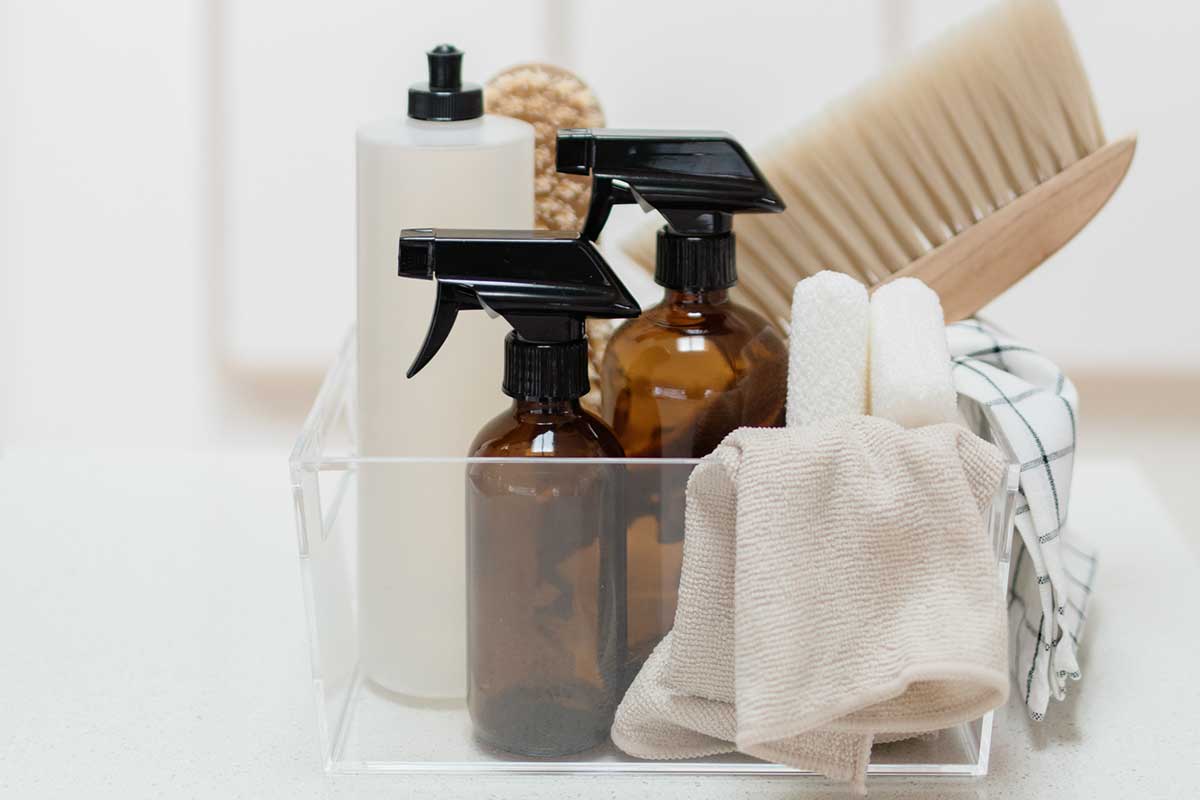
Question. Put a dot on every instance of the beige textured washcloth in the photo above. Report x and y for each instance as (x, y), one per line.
(843, 566)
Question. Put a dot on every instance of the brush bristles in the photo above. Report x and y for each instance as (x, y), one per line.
(895, 170)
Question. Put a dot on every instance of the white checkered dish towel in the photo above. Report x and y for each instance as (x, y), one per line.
(1035, 405)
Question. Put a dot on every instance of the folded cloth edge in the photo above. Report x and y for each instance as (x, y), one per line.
(854, 774)
(995, 682)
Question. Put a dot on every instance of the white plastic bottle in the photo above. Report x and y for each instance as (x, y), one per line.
(446, 165)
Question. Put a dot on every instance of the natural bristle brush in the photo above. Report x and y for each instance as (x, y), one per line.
(965, 167)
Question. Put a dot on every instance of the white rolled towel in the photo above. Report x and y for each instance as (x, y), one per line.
(910, 359)
(827, 351)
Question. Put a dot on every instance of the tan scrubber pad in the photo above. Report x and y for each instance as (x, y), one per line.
(549, 98)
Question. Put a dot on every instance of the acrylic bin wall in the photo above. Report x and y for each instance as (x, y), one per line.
(364, 729)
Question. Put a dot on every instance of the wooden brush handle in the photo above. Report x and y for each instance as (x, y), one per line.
(979, 264)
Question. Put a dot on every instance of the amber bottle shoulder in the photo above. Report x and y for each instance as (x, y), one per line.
(669, 319)
(677, 380)
(564, 431)
(741, 336)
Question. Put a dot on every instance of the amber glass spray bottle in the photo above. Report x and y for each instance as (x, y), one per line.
(546, 642)
(698, 365)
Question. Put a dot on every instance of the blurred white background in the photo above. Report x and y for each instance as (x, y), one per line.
(178, 200)
(177, 270)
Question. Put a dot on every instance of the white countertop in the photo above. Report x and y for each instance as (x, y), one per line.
(152, 644)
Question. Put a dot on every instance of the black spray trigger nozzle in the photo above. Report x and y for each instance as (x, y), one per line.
(445, 312)
(696, 179)
(545, 284)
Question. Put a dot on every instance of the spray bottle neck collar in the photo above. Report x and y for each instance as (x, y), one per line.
(683, 298)
(542, 406)
(545, 371)
(695, 263)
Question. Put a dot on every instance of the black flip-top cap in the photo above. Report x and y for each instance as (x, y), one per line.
(444, 97)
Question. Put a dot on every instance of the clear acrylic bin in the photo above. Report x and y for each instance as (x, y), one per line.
(364, 729)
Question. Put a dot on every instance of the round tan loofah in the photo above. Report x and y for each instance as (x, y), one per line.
(549, 98)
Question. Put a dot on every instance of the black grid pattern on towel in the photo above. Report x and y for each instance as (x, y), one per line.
(1033, 403)
(1026, 624)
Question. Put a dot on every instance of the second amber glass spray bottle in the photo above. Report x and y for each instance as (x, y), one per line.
(698, 365)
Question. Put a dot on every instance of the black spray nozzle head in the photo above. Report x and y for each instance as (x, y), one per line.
(696, 179)
(444, 97)
(416, 253)
(576, 153)
(544, 283)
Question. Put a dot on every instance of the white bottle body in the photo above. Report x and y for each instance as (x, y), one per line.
(411, 555)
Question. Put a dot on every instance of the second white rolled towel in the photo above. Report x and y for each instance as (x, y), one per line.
(910, 359)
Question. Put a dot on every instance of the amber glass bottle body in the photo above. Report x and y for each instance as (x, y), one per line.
(675, 381)
(545, 567)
